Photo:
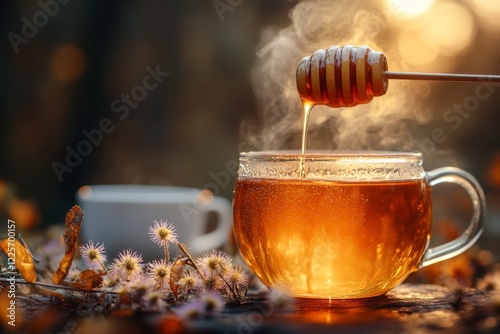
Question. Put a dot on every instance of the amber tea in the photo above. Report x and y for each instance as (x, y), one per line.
(330, 238)
(343, 225)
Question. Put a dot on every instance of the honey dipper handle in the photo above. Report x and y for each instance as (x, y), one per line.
(441, 76)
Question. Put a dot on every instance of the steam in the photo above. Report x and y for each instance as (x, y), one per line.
(384, 123)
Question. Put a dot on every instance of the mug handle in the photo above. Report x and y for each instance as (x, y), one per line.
(472, 233)
(216, 238)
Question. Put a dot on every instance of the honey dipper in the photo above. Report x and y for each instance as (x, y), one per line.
(347, 76)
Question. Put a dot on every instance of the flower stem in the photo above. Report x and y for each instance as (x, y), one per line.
(102, 265)
(230, 288)
(167, 255)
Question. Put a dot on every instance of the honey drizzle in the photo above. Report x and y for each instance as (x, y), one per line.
(307, 107)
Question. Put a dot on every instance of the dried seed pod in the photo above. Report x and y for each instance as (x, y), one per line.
(342, 76)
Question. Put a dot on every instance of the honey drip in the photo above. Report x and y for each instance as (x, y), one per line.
(307, 107)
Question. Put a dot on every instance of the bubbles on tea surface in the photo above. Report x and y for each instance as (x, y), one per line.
(338, 168)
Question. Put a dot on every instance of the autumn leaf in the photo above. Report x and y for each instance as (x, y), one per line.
(74, 219)
(23, 260)
(176, 272)
(88, 280)
(189, 260)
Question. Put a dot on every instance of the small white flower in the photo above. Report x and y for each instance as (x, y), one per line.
(162, 233)
(128, 264)
(159, 272)
(190, 281)
(93, 255)
(141, 284)
(74, 274)
(214, 262)
(213, 303)
(236, 277)
(153, 301)
(111, 280)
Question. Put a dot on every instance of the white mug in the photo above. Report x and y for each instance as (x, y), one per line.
(120, 217)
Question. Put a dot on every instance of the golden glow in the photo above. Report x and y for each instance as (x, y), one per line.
(24, 213)
(408, 8)
(488, 11)
(413, 49)
(68, 63)
(85, 192)
(485, 258)
(341, 246)
(490, 322)
(450, 26)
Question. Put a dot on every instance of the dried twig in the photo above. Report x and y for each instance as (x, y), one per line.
(54, 286)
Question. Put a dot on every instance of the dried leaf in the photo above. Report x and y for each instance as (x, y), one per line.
(23, 260)
(74, 219)
(88, 280)
(176, 272)
(25, 244)
(189, 260)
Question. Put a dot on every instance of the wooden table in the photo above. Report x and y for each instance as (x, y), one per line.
(407, 309)
(410, 308)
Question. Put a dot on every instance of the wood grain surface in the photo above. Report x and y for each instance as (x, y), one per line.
(409, 308)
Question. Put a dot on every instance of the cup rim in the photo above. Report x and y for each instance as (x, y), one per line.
(350, 166)
(316, 154)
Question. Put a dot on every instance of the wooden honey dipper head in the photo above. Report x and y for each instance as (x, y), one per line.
(342, 76)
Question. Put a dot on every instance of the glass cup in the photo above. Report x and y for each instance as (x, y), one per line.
(344, 224)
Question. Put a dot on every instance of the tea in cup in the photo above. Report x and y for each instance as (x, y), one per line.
(343, 224)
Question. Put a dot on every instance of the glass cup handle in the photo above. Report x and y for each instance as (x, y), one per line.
(470, 236)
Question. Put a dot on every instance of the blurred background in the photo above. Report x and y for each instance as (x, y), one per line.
(64, 79)
(171, 91)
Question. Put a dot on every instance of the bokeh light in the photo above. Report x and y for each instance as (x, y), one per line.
(449, 26)
(205, 197)
(68, 63)
(488, 11)
(85, 192)
(414, 50)
(408, 8)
